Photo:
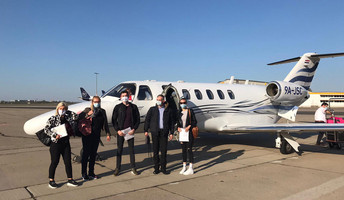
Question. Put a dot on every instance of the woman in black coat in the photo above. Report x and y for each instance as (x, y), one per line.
(186, 120)
(90, 142)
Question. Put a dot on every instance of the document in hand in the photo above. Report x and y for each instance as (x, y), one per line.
(126, 133)
(61, 130)
(184, 136)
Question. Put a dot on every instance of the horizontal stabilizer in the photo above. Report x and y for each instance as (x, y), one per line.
(329, 55)
(285, 61)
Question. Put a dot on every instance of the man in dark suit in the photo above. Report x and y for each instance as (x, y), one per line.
(160, 122)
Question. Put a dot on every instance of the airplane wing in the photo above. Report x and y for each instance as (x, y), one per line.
(292, 127)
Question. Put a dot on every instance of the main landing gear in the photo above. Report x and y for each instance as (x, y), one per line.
(286, 143)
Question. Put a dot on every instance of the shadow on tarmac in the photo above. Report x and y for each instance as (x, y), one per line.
(203, 150)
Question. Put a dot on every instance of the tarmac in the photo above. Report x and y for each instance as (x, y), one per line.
(243, 166)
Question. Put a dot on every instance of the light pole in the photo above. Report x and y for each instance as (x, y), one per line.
(96, 83)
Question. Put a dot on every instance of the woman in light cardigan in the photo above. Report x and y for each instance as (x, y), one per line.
(187, 120)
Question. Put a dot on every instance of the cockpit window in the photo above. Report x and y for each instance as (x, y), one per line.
(144, 93)
(116, 91)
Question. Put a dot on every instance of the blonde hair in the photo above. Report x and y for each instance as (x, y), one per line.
(60, 105)
(95, 97)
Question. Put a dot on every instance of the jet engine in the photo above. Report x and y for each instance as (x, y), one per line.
(286, 92)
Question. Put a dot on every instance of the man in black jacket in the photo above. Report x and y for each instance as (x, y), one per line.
(160, 121)
(125, 115)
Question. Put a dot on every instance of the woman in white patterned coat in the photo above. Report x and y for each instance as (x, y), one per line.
(60, 142)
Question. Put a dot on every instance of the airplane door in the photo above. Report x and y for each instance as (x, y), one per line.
(172, 97)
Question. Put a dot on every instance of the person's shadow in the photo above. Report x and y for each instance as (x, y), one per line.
(202, 152)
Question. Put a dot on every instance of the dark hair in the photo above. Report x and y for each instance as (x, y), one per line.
(324, 104)
(124, 91)
(160, 95)
(183, 98)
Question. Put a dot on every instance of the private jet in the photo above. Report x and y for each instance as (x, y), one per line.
(225, 108)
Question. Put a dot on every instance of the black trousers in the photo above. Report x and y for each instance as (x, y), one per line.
(120, 142)
(159, 143)
(320, 135)
(90, 147)
(187, 149)
(62, 147)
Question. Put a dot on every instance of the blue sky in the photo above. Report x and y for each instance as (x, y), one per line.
(48, 49)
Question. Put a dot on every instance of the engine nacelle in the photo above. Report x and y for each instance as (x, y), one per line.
(286, 92)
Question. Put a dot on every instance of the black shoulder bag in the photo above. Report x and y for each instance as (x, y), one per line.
(44, 138)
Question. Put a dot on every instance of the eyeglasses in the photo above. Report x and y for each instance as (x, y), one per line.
(182, 103)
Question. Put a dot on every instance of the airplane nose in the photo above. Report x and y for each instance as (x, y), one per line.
(28, 127)
(36, 124)
(32, 126)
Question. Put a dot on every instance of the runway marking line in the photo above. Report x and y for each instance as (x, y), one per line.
(319, 191)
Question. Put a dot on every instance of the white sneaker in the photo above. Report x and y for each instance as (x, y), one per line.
(183, 170)
(72, 183)
(189, 171)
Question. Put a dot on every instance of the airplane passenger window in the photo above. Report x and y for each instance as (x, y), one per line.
(116, 91)
(231, 94)
(210, 94)
(186, 94)
(144, 93)
(198, 94)
(221, 95)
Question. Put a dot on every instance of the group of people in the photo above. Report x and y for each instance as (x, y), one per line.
(160, 121)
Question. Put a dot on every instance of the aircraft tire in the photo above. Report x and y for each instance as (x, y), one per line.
(339, 146)
(331, 144)
(286, 148)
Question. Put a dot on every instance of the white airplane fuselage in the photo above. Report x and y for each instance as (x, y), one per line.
(224, 108)
(220, 105)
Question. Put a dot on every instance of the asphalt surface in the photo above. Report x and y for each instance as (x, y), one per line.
(244, 166)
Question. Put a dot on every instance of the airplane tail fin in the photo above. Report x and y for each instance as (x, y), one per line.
(84, 95)
(304, 70)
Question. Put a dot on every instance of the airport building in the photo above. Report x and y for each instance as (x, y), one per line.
(335, 99)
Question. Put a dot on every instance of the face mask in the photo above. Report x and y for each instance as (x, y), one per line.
(125, 99)
(96, 105)
(61, 112)
(159, 103)
(183, 106)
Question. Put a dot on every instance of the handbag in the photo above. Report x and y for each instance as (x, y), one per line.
(44, 138)
(85, 126)
(194, 129)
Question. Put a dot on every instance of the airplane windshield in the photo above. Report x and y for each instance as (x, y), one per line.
(116, 91)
